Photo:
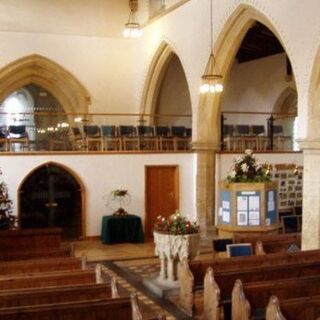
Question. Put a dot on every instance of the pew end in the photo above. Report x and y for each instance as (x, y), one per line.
(211, 304)
(258, 249)
(186, 293)
(240, 308)
(273, 311)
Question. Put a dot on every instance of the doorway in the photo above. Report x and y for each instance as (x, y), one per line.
(161, 194)
(50, 196)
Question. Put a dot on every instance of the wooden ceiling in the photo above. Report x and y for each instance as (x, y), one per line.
(259, 42)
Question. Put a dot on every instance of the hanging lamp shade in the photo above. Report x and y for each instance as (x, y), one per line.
(212, 78)
(132, 28)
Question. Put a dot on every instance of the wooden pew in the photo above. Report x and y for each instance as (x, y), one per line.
(47, 279)
(198, 268)
(225, 278)
(305, 308)
(124, 308)
(301, 308)
(42, 265)
(49, 295)
(30, 239)
(10, 255)
(276, 243)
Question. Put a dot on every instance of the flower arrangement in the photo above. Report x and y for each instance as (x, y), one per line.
(7, 220)
(247, 169)
(175, 225)
(121, 196)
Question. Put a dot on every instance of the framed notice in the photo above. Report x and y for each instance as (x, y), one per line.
(271, 209)
(225, 208)
(248, 208)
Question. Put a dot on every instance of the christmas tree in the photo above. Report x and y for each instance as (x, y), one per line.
(7, 220)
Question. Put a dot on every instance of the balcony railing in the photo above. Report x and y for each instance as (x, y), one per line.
(98, 132)
(258, 131)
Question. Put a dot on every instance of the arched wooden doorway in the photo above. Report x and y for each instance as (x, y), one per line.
(51, 196)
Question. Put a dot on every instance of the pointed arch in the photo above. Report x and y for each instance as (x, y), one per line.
(155, 75)
(313, 112)
(36, 69)
(286, 102)
(225, 48)
(73, 174)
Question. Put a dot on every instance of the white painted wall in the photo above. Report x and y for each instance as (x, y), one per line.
(101, 174)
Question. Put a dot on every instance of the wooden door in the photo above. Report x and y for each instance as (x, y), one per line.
(161, 193)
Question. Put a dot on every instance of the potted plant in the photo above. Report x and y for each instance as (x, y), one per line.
(122, 197)
(175, 238)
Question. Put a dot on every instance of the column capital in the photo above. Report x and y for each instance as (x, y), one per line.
(309, 144)
(205, 146)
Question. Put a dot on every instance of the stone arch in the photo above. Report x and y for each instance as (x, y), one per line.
(73, 174)
(36, 69)
(286, 102)
(225, 48)
(155, 75)
(207, 115)
(313, 125)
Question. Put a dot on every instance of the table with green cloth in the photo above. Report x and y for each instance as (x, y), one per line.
(117, 229)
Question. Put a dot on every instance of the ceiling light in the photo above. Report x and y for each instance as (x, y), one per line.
(132, 27)
(212, 78)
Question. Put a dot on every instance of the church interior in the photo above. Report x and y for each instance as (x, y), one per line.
(159, 159)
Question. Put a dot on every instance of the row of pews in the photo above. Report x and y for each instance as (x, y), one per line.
(41, 279)
(272, 286)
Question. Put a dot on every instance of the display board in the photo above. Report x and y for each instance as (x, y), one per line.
(271, 207)
(248, 208)
(290, 187)
(225, 208)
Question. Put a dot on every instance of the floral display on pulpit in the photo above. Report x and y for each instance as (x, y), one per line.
(247, 168)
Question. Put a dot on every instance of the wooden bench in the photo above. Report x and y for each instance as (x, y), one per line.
(272, 243)
(48, 295)
(10, 255)
(47, 279)
(42, 265)
(199, 268)
(304, 307)
(226, 277)
(30, 239)
(121, 308)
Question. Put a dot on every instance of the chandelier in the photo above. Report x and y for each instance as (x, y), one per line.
(212, 78)
(132, 27)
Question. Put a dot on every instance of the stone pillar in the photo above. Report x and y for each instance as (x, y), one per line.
(205, 186)
(311, 194)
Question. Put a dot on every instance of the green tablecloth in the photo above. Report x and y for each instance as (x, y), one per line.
(121, 229)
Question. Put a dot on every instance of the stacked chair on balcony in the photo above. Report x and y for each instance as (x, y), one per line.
(147, 139)
(279, 140)
(110, 139)
(130, 139)
(229, 141)
(261, 140)
(92, 137)
(59, 140)
(244, 140)
(77, 139)
(4, 141)
(18, 135)
(180, 139)
(165, 138)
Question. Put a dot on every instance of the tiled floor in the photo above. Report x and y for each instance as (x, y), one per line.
(131, 263)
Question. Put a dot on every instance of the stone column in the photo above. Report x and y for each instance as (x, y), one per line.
(205, 186)
(311, 194)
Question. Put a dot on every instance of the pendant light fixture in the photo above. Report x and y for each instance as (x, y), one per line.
(132, 27)
(212, 78)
